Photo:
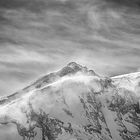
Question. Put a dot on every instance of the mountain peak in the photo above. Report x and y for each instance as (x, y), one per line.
(73, 68)
(74, 65)
(75, 103)
(70, 69)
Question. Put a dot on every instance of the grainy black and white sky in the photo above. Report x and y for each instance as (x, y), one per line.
(39, 36)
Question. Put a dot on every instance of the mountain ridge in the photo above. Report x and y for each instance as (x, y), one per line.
(70, 69)
(76, 103)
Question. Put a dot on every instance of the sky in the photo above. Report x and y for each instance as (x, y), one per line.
(42, 36)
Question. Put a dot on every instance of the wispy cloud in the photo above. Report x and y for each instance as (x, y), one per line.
(19, 55)
(39, 36)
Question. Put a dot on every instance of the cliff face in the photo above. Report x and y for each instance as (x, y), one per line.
(76, 104)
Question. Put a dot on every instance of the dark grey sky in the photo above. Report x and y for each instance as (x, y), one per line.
(39, 36)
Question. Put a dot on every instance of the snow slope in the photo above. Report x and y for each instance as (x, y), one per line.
(76, 104)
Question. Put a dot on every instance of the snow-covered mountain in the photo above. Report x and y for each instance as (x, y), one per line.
(76, 104)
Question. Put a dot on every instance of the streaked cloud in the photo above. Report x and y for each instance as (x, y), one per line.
(39, 36)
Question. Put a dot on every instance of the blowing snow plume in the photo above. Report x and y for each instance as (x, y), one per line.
(74, 103)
